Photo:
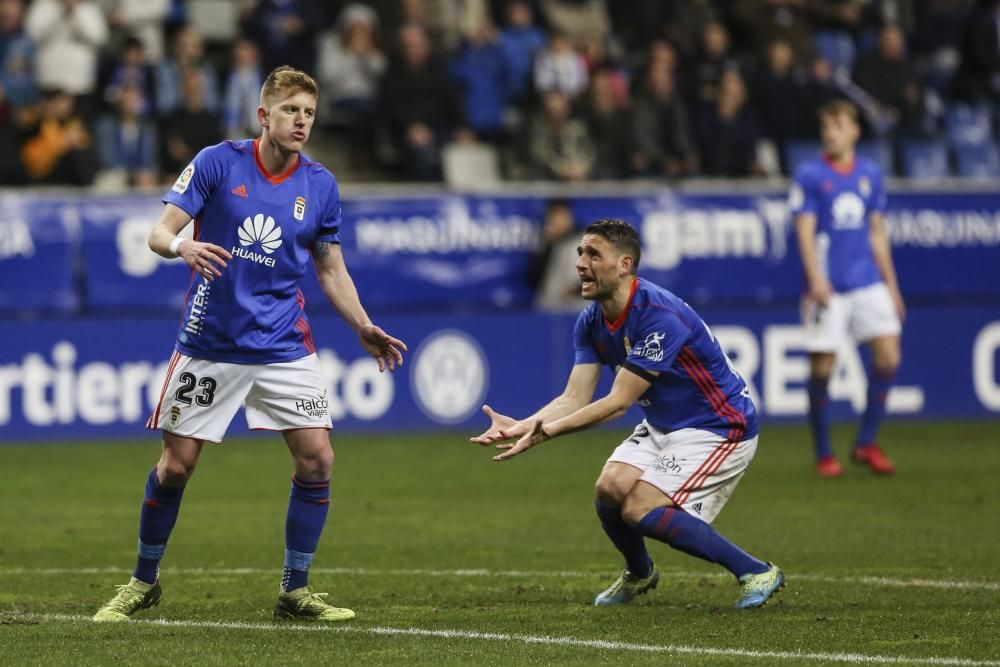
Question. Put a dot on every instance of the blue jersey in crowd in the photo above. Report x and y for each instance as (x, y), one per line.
(697, 387)
(254, 313)
(842, 201)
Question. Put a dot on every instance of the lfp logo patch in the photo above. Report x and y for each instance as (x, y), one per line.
(181, 186)
(300, 208)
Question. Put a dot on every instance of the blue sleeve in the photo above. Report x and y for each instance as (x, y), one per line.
(198, 181)
(584, 349)
(661, 335)
(802, 195)
(329, 225)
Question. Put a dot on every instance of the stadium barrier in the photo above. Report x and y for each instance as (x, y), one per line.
(89, 314)
(80, 379)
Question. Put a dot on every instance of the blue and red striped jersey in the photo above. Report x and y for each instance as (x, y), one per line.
(254, 313)
(697, 385)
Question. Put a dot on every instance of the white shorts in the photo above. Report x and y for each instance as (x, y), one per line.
(861, 314)
(697, 469)
(199, 397)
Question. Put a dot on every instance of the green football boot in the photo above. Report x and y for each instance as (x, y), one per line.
(304, 605)
(131, 597)
(758, 588)
(626, 587)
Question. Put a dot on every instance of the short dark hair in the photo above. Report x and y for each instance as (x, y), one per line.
(837, 107)
(621, 234)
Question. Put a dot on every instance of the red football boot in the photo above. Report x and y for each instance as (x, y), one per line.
(874, 458)
(829, 466)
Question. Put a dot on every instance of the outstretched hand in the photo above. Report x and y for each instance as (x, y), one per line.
(528, 440)
(501, 428)
(386, 350)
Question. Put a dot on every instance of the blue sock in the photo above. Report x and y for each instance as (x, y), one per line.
(819, 416)
(695, 537)
(626, 539)
(308, 505)
(879, 384)
(160, 506)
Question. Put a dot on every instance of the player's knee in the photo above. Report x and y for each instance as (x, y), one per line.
(608, 491)
(887, 363)
(317, 463)
(175, 471)
(637, 507)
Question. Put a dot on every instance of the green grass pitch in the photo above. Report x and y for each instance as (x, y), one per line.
(449, 558)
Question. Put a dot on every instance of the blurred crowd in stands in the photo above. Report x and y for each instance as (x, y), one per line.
(125, 92)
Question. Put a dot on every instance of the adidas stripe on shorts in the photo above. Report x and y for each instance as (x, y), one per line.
(697, 469)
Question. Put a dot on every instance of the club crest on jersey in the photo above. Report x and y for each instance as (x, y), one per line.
(184, 180)
(864, 186)
(299, 211)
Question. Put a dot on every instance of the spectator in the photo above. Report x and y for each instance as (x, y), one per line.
(188, 52)
(577, 19)
(285, 31)
(776, 95)
(727, 131)
(59, 150)
(609, 124)
(559, 68)
(17, 61)
(69, 35)
(638, 23)
(767, 21)
(715, 57)
(480, 70)
(891, 80)
(685, 26)
(521, 40)
(662, 132)
(418, 105)
(131, 69)
(552, 272)
(11, 167)
(126, 139)
(242, 92)
(444, 21)
(189, 127)
(817, 91)
(557, 146)
(141, 18)
(351, 65)
(978, 75)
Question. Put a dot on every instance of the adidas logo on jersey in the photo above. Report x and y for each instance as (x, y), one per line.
(262, 231)
(240, 191)
(696, 507)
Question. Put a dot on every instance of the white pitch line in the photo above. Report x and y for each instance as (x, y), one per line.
(886, 582)
(573, 642)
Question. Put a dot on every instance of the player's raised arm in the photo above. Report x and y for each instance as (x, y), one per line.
(206, 259)
(578, 392)
(629, 385)
(339, 289)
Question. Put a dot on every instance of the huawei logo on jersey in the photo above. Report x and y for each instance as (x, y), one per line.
(261, 230)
